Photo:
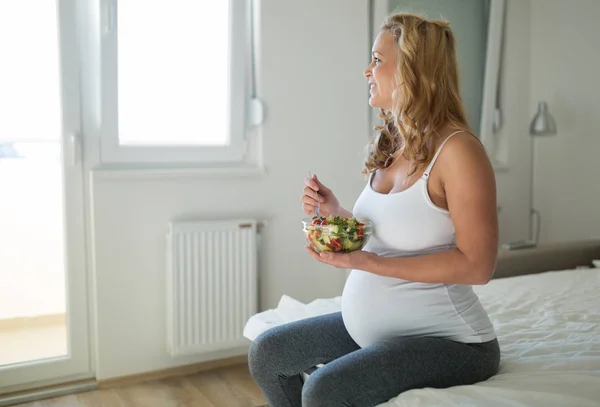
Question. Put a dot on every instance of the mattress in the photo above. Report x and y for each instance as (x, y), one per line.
(548, 327)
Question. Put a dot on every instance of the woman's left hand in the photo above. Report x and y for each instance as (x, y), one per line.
(357, 260)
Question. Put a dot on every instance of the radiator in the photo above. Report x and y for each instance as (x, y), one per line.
(211, 284)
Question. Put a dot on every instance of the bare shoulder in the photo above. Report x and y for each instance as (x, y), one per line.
(463, 154)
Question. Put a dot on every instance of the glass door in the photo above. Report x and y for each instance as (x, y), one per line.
(43, 290)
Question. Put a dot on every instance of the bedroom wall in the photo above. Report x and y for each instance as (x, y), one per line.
(565, 64)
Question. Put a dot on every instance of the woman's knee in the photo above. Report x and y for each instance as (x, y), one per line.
(265, 352)
(257, 355)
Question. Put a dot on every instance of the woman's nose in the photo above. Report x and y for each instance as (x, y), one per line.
(367, 72)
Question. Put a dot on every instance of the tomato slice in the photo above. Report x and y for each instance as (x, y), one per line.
(337, 243)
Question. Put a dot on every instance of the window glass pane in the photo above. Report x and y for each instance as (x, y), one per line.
(33, 320)
(173, 72)
(29, 89)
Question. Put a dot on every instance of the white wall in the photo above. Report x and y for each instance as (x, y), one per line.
(565, 68)
(313, 56)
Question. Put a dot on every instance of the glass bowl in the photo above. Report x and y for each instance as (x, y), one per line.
(337, 234)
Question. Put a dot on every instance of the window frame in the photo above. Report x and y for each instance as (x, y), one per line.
(241, 100)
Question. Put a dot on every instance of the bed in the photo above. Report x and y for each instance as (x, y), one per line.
(545, 306)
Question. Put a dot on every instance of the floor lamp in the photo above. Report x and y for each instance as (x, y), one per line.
(542, 125)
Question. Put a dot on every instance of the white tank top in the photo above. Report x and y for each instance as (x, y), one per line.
(375, 308)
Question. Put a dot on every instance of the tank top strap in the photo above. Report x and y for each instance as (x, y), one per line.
(437, 153)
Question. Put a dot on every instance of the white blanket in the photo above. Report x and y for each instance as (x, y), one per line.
(548, 326)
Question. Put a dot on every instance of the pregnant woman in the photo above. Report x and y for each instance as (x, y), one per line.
(409, 318)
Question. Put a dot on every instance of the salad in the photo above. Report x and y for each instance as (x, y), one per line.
(336, 234)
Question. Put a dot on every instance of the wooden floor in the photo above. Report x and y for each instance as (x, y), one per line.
(224, 387)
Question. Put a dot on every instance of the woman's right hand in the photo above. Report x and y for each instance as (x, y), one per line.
(330, 206)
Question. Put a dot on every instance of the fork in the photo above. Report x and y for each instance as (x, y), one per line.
(318, 211)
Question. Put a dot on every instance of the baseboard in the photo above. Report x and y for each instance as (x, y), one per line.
(172, 372)
(41, 393)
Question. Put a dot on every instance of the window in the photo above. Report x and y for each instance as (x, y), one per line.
(175, 81)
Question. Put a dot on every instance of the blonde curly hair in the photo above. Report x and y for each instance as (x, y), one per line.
(428, 74)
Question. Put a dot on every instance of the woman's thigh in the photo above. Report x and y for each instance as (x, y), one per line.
(292, 348)
(375, 374)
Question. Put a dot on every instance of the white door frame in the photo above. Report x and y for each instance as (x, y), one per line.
(77, 364)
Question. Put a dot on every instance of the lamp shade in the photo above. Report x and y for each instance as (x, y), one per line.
(543, 123)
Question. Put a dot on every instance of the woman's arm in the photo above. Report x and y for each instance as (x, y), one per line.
(445, 267)
(470, 187)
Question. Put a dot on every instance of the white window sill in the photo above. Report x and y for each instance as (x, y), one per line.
(132, 174)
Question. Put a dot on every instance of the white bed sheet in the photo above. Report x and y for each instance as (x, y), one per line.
(548, 326)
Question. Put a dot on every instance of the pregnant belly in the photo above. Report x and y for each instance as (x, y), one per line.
(375, 308)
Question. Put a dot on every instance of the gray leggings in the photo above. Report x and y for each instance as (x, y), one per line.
(355, 376)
